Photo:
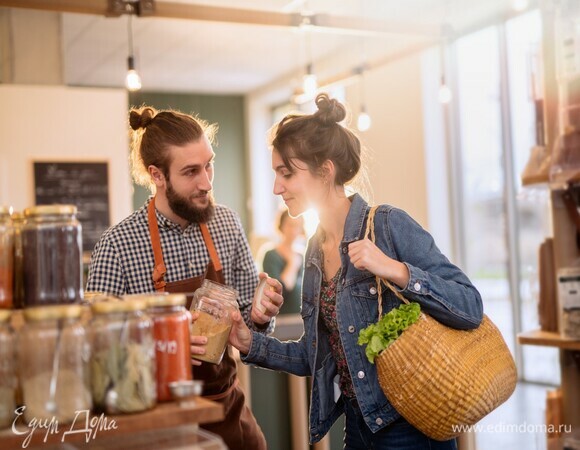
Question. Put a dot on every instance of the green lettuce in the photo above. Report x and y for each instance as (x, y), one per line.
(380, 335)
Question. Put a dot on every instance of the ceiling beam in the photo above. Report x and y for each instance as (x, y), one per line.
(171, 10)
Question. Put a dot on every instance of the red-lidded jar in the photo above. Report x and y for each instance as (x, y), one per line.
(171, 332)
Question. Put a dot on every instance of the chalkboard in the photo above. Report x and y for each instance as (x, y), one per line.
(83, 184)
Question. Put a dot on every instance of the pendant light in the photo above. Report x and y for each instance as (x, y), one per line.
(133, 79)
(309, 80)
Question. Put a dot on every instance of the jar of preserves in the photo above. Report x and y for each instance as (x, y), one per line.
(18, 286)
(7, 371)
(123, 359)
(52, 255)
(6, 258)
(53, 359)
(171, 332)
(215, 304)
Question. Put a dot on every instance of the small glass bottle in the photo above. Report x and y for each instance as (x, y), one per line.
(53, 358)
(123, 359)
(52, 255)
(215, 304)
(171, 331)
(6, 258)
(17, 223)
(7, 371)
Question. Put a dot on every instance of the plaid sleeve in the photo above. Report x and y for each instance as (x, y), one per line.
(245, 277)
(105, 270)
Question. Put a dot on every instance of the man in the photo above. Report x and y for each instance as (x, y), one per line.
(178, 239)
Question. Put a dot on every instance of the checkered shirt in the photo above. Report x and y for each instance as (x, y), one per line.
(122, 261)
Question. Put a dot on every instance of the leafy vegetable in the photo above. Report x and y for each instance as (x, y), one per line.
(380, 335)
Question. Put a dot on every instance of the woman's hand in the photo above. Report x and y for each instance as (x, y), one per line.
(271, 301)
(240, 335)
(196, 343)
(365, 255)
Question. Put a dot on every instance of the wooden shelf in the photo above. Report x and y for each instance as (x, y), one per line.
(163, 416)
(548, 339)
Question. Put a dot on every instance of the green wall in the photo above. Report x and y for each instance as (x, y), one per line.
(230, 183)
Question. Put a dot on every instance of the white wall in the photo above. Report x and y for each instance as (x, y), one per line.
(395, 141)
(68, 124)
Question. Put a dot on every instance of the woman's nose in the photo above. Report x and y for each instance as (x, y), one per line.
(278, 188)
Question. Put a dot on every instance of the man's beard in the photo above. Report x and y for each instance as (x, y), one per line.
(184, 209)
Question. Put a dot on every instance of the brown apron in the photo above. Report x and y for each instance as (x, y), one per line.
(239, 429)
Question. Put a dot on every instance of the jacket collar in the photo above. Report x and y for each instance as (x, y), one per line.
(353, 229)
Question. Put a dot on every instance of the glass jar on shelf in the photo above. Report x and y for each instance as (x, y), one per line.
(123, 359)
(6, 258)
(215, 304)
(18, 286)
(53, 360)
(171, 332)
(52, 255)
(7, 371)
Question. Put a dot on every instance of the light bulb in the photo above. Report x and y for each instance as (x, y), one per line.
(309, 85)
(445, 94)
(520, 5)
(133, 80)
(364, 121)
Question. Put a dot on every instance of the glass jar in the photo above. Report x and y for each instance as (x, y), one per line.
(52, 255)
(6, 258)
(215, 304)
(53, 357)
(17, 223)
(123, 360)
(171, 332)
(7, 371)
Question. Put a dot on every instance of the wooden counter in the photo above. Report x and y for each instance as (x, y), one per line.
(163, 416)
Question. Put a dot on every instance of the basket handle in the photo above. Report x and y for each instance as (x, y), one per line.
(370, 234)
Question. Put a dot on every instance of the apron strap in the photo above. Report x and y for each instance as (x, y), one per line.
(160, 270)
(210, 247)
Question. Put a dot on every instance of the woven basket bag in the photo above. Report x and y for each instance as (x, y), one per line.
(439, 378)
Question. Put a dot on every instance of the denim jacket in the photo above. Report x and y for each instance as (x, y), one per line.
(441, 288)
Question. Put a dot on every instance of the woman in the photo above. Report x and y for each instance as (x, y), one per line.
(314, 157)
(284, 262)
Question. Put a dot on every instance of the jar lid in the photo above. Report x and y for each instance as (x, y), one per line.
(17, 215)
(94, 296)
(166, 300)
(5, 315)
(4, 211)
(110, 305)
(37, 313)
(50, 210)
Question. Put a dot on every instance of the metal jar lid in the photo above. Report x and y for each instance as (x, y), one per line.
(38, 313)
(110, 305)
(5, 315)
(155, 301)
(50, 210)
(4, 212)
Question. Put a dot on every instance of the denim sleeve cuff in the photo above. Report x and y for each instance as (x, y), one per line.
(418, 282)
(254, 353)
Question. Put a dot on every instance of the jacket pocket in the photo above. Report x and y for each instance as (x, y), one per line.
(365, 293)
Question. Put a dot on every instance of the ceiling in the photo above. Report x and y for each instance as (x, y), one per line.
(210, 56)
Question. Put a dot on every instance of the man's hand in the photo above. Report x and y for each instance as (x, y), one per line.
(271, 301)
(196, 343)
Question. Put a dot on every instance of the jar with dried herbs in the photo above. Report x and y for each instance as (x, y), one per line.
(123, 360)
(18, 286)
(6, 258)
(171, 331)
(52, 255)
(215, 304)
(7, 371)
(53, 360)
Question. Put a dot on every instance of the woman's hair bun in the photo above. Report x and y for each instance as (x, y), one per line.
(330, 110)
(140, 119)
